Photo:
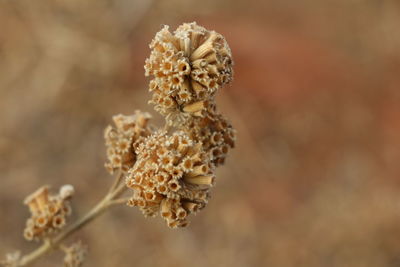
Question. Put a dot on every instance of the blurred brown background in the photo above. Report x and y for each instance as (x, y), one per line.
(314, 179)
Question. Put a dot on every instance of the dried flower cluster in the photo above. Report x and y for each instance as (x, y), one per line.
(172, 171)
(188, 67)
(172, 175)
(48, 212)
(12, 259)
(122, 140)
(75, 254)
(215, 133)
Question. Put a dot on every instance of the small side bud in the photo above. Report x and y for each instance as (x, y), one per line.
(66, 191)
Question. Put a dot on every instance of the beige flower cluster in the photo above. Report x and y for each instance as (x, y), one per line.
(172, 175)
(121, 140)
(48, 212)
(75, 255)
(188, 67)
(215, 133)
(171, 171)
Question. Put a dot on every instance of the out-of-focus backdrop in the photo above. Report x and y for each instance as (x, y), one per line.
(314, 179)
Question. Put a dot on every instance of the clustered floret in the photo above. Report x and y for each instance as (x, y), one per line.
(172, 175)
(48, 212)
(75, 254)
(188, 67)
(121, 140)
(215, 133)
(171, 171)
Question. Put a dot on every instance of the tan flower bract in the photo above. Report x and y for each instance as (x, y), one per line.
(122, 139)
(172, 176)
(48, 212)
(188, 67)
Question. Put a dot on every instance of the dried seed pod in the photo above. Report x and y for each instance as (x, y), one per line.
(37, 200)
(48, 212)
(75, 255)
(66, 191)
(187, 66)
(122, 139)
(215, 133)
(169, 172)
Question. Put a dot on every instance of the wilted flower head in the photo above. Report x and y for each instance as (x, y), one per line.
(216, 134)
(188, 67)
(172, 173)
(172, 176)
(48, 212)
(122, 139)
(75, 255)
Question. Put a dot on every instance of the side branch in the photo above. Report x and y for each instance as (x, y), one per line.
(103, 205)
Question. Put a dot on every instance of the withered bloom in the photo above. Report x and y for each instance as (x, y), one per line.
(216, 134)
(172, 171)
(172, 176)
(122, 139)
(75, 255)
(188, 67)
(48, 212)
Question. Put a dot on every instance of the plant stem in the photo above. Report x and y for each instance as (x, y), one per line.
(120, 201)
(117, 181)
(100, 207)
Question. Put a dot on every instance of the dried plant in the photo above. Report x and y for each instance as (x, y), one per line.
(48, 212)
(169, 170)
(188, 67)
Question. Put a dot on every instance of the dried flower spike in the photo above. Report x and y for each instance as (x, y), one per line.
(172, 176)
(122, 140)
(48, 212)
(188, 67)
